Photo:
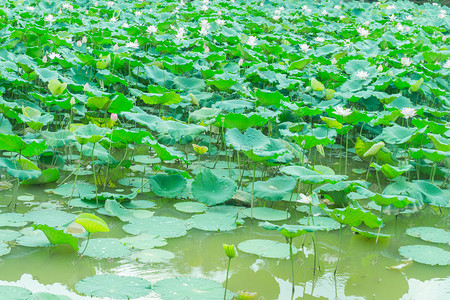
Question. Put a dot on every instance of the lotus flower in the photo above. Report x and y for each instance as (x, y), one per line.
(304, 47)
(180, 33)
(134, 45)
(341, 111)
(408, 112)
(363, 32)
(72, 101)
(362, 75)
(447, 64)
(406, 61)
(220, 22)
(251, 41)
(49, 18)
(203, 31)
(152, 29)
(333, 61)
(304, 199)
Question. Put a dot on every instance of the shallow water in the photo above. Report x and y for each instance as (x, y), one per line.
(363, 272)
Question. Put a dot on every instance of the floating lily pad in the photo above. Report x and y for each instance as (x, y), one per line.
(25, 198)
(144, 241)
(4, 249)
(48, 296)
(33, 238)
(50, 217)
(190, 207)
(114, 286)
(426, 254)
(136, 182)
(189, 288)
(14, 293)
(80, 189)
(213, 222)
(77, 202)
(266, 214)
(430, 234)
(325, 222)
(138, 204)
(105, 248)
(12, 220)
(152, 256)
(7, 235)
(165, 227)
(266, 248)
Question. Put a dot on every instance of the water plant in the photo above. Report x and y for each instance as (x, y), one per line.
(230, 252)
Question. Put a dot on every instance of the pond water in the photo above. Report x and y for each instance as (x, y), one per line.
(363, 272)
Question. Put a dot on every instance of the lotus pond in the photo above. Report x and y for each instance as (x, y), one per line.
(224, 150)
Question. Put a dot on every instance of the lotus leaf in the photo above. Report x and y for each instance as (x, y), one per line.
(266, 248)
(114, 286)
(209, 189)
(190, 287)
(430, 234)
(167, 186)
(426, 254)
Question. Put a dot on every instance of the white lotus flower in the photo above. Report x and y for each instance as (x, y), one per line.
(54, 55)
(180, 33)
(409, 18)
(30, 8)
(320, 39)
(333, 61)
(125, 25)
(390, 7)
(362, 75)
(304, 47)
(392, 17)
(152, 29)
(337, 7)
(205, 24)
(304, 199)
(206, 2)
(66, 5)
(276, 17)
(406, 61)
(251, 41)
(447, 64)
(138, 13)
(341, 111)
(116, 47)
(363, 32)
(306, 9)
(204, 8)
(380, 68)
(442, 15)
(277, 12)
(113, 19)
(49, 18)
(400, 27)
(324, 12)
(110, 3)
(134, 45)
(408, 112)
(220, 22)
(367, 23)
(203, 31)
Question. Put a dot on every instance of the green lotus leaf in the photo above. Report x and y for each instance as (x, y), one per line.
(431, 193)
(114, 286)
(57, 237)
(352, 216)
(395, 200)
(167, 98)
(90, 133)
(14, 292)
(251, 139)
(209, 189)
(104, 248)
(275, 188)
(439, 142)
(317, 136)
(98, 102)
(212, 221)
(240, 121)
(268, 98)
(92, 223)
(191, 288)
(149, 256)
(266, 248)
(323, 223)
(266, 214)
(426, 254)
(190, 207)
(370, 235)
(167, 186)
(431, 154)
(390, 171)
(221, 84)
(12, 142)
(310, 176)
(57, 139)
(165, 227)
(163, 152)
(56, 87)
(144, 241)
(430, 234)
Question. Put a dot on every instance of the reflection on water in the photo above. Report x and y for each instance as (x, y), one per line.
(363, 272)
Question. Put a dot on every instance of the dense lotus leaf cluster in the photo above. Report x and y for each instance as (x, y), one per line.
(280, 98)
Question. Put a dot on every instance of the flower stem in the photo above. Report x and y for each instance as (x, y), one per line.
(226, 281)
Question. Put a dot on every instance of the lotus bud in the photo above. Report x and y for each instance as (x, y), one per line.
(84, 39)
(320, 150)
(86, 87)
(60, 12)
(116, 47)
(380, 68)
(241, 62)
(72, 101)
(230, 250)
(333, 61)
(114, 117)
(44, 59)
(206, 49)
(390, 73)
(79, 44)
